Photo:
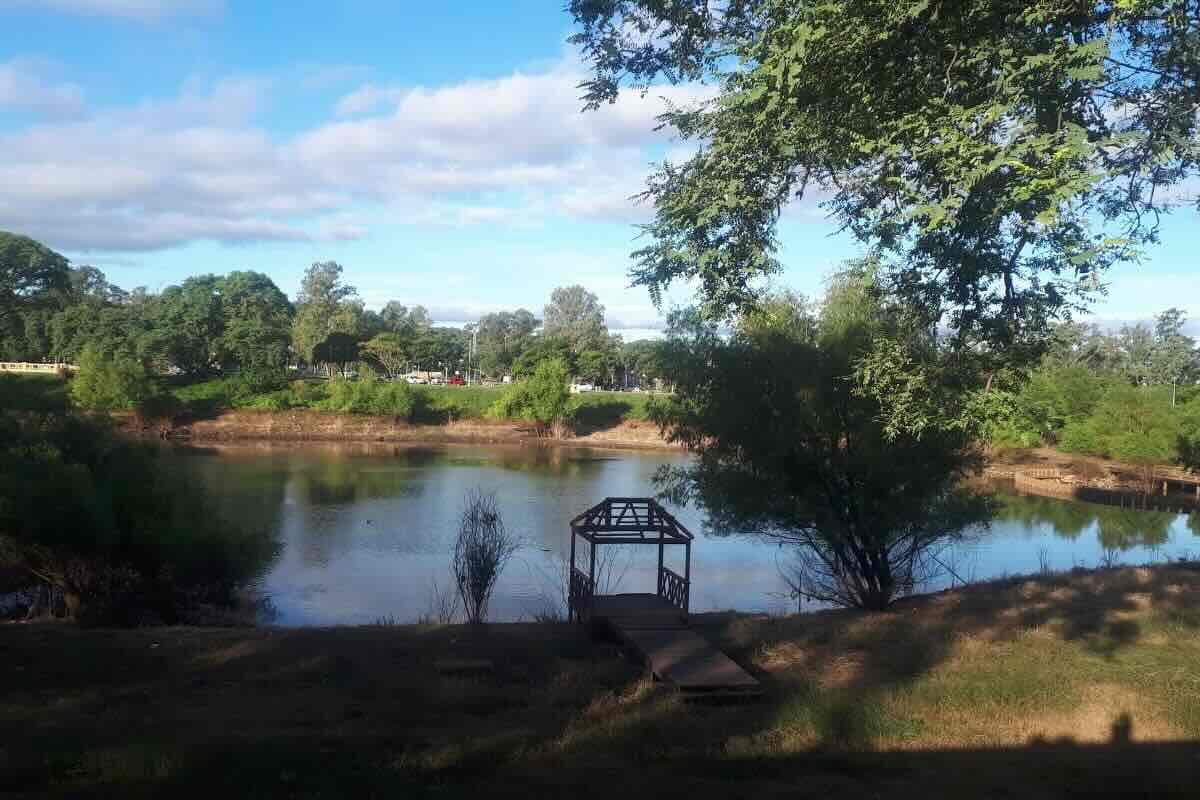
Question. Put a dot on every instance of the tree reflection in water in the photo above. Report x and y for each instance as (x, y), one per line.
(1116, 528)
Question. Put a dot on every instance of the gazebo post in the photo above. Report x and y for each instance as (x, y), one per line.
(592, 569)
(571, 610)
(659, 575)
(687, 576)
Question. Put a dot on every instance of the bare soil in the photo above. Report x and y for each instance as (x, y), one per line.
(303, 425)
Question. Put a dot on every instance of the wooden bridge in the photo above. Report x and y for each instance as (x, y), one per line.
(654, 625)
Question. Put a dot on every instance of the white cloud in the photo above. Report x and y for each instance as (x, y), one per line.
(513, 151)
(23, 87)
(140, 10)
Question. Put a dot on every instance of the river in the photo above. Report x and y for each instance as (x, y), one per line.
(366, 531)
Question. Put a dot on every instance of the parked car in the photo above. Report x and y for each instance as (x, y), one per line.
(456, 380)
(576, 388)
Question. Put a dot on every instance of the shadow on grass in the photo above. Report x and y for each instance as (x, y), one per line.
(369, 712)
(601, 415)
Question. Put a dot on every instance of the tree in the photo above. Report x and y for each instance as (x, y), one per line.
(322, 294)
(187, 325)
(543, 348)
(1174, 353)
(575, 315)
(97, 517)
(999, 155)
(502, 337)
(593, 366)
(256, 323)
(30, 273)
(389, 351)
(542, 398)
(338, 350)
(394, 315)
(784, 416)
(108, 383)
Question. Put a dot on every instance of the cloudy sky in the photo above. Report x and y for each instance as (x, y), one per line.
(436, 150)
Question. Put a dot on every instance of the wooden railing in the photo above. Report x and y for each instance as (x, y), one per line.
(674, 588)
(579, 600)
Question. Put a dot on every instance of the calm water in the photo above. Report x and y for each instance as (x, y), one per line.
(366, 530)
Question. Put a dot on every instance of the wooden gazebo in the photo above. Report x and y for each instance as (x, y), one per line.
(629, 520)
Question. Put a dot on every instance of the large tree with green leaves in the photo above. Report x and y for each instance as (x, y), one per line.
(575, 315)
(30, 274)
(503, 336)
(785, 417)
(187, 325)
(998, 154)
(319, 304)
(256, 323)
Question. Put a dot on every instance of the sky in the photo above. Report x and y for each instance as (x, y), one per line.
(436, 150)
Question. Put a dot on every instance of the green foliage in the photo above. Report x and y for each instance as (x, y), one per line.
(975, 144)
(30, 273)
(33, 393)
(322, 295)
(108, 384)
(389, 350)
(1188, 442)
(503, 336)
(798, 438)
(369, 396)
(1129, 423)
(256, 323)
(337, 350)
(99, 518)
(575, 315)
(544, 348)
(543, 398)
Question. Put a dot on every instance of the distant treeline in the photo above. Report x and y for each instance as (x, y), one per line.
(210, 325)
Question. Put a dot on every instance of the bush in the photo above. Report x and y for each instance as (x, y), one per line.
(108, 384)
(98, 519)
(544, 398)
(369, 396)
(159, 407)
(1131, 423)
(481, 550)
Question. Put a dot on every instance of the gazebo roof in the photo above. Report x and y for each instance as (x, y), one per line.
(629, 520)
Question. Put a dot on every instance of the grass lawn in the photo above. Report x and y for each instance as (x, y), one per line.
(1078, 685)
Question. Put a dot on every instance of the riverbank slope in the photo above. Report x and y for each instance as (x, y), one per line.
(325, 426)
(1081, 684)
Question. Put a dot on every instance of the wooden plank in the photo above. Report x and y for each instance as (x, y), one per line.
(687, 660)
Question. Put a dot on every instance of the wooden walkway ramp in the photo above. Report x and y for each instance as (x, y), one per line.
(675, 654)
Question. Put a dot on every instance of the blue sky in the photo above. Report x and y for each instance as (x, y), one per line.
(435, 150)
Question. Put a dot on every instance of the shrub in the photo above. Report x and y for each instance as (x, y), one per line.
(98, 519)
(481, 550)
(159, 407)
(544, 398)
(108, 384)
(1132, 423)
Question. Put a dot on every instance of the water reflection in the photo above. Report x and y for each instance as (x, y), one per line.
(367, 528)
(1117, 528)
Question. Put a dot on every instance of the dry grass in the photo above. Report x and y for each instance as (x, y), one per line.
(1083, 684)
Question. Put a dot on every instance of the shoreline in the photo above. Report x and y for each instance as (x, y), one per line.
(320, 426)
(1041, 471)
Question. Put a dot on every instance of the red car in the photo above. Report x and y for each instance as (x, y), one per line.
(455, 380)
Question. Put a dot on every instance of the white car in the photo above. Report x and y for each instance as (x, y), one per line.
(577, 388)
